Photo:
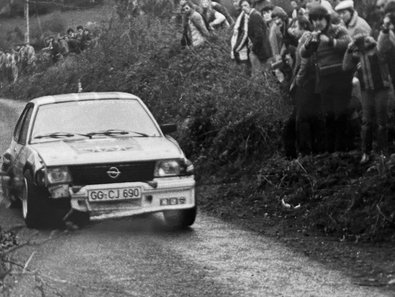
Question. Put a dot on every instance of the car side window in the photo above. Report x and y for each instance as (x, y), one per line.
(18, 126)
(25, 126)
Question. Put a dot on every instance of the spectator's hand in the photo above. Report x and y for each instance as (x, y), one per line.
(351, 48)
(386, 23)
(324, 38)
(312, 42)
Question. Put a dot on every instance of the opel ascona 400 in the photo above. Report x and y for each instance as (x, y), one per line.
(101, 154)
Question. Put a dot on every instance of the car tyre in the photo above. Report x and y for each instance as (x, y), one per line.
(180, 219)
(32, 202)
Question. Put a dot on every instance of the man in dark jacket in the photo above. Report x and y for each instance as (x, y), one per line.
(259, 46)
(327, 45)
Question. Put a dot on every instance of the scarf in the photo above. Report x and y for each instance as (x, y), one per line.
(239, 41)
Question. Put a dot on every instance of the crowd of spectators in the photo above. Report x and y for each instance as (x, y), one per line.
(77, 41)
(339, 72)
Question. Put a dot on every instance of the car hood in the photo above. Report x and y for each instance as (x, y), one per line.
(107, 150)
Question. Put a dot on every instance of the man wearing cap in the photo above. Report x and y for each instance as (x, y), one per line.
(327, 45)
(350, 17)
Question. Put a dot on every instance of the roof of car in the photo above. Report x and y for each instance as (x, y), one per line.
(82, 97)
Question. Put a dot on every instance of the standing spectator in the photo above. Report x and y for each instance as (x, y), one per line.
(257, 40)
(239, 41)
(267, 16)
(327, 44)
(386, 39)
(197, 32)
(350, 18)
(278, 31)
(185, 40)
(354, 24)
(308, 107)
(277, 37)
(374, 77)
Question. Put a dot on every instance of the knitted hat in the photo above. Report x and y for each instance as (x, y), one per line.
(279, 12)
(346, 4)
(318, 11)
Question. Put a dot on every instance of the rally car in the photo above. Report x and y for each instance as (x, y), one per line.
(100, 154)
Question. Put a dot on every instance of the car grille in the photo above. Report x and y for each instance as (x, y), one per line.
(98, 174)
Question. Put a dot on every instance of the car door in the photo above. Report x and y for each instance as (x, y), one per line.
(19, 150)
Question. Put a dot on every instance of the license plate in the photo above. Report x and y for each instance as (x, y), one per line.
(114, 194)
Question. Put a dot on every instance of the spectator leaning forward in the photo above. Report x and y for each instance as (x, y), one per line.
(222, 9)
(327, 44)
(212, 18)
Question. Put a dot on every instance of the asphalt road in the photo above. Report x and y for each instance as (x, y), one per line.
(140, 257)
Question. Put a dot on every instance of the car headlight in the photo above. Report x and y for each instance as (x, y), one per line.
(58, 175)
(40, 177)
(165, 168)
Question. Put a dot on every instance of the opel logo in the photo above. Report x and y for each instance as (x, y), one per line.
(113, 172)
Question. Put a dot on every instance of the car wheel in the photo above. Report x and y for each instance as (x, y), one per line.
(32, 201)
(180, 219)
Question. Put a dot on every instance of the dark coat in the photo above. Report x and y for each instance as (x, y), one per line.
(258, 34)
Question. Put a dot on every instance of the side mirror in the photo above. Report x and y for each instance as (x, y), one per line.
(168, 128)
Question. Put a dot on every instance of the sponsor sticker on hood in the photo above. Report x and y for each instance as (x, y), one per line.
(106, 145)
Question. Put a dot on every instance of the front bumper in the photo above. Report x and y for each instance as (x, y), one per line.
(161, 195)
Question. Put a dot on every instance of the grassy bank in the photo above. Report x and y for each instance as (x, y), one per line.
(231, 128)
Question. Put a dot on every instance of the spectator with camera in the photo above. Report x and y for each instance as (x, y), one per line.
(308, 109)
(375, 84)
(327, 45)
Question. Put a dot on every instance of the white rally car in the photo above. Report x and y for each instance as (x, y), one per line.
(101, 154)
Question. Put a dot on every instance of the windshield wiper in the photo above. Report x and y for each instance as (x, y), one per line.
(111, 132)
(59, 135)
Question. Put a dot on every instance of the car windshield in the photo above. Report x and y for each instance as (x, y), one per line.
(93, 118)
